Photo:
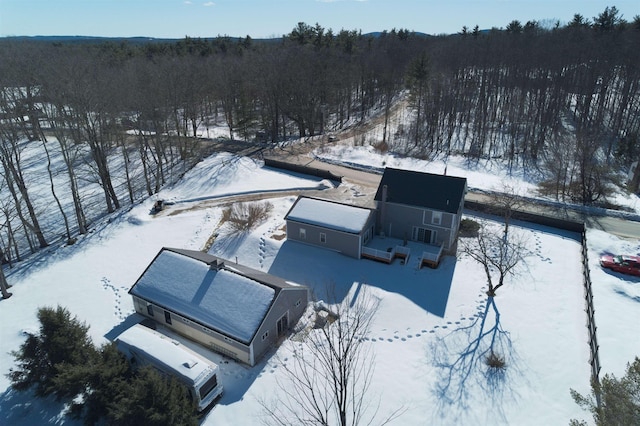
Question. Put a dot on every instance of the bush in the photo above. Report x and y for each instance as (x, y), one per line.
(469, 228)
(381, 147)
(246, 216)
(495, 361)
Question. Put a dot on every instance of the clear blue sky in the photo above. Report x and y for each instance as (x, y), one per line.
(269, 18)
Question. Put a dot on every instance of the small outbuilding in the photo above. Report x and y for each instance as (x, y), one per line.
(331, 225)
(237, 311)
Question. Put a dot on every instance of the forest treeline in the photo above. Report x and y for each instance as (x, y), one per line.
(560, 101)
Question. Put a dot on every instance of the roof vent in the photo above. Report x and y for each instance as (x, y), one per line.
(216, 265)
(190, 363)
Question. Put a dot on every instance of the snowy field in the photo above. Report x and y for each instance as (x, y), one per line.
(425, 332)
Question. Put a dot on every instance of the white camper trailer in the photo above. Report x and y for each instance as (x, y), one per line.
(148, 347)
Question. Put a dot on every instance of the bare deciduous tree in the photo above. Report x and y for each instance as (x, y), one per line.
(326, 380)
(498, 254)
(3, 285)
(505, 202)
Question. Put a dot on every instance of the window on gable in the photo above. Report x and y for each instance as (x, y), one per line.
(303, 234)
(323, 237)
(436, 218)
(265, 335)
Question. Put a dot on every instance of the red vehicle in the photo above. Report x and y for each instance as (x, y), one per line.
(624, 264)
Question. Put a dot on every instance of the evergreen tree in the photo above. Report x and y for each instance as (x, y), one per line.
(105, 385)
(61, 360)
(152, 399)
(619, 399)
(62, 341)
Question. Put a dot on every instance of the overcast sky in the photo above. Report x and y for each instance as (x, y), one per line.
(273, 18)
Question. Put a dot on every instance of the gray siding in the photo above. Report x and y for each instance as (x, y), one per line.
(342, 242)
(291, 302)
(400, 221)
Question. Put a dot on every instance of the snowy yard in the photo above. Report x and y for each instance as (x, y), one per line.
(426, 333)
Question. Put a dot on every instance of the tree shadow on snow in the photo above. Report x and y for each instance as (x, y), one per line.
(322, 270)
(228, 242)
(628, 296)
(462, 359)
(25, 409)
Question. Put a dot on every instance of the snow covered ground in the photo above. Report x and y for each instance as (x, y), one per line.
(485, 174)
(427, 334)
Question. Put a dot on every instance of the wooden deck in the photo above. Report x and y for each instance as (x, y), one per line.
(386, 256)
(431, 260)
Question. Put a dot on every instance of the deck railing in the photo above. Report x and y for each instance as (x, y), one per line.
(378, 254)
(386, 255)
(431, 259)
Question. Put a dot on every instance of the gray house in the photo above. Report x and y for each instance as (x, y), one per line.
(420, 206)
(328, 224)
(229, 308)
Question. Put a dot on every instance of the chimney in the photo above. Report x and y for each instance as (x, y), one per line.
(383, 209)
(216, 265)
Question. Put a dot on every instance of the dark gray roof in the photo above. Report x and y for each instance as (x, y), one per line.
(427, 190)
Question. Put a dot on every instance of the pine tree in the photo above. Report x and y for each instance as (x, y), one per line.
(106, 382)
(62, 341)
(153, 399)
(619, 399)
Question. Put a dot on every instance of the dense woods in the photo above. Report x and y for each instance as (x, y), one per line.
(111, 122)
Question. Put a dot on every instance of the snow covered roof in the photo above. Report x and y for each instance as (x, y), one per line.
(329, 214)
(181, 360)
(221, 299)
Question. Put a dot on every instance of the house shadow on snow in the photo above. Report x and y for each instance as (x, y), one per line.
(330, 275)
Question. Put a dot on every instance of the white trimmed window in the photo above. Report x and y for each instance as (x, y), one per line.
(303, 234)
(436, 218)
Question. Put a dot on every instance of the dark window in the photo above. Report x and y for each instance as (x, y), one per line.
(323, 237)
(150, 310)
(282, 324)
(210, 385)
(167, 317)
